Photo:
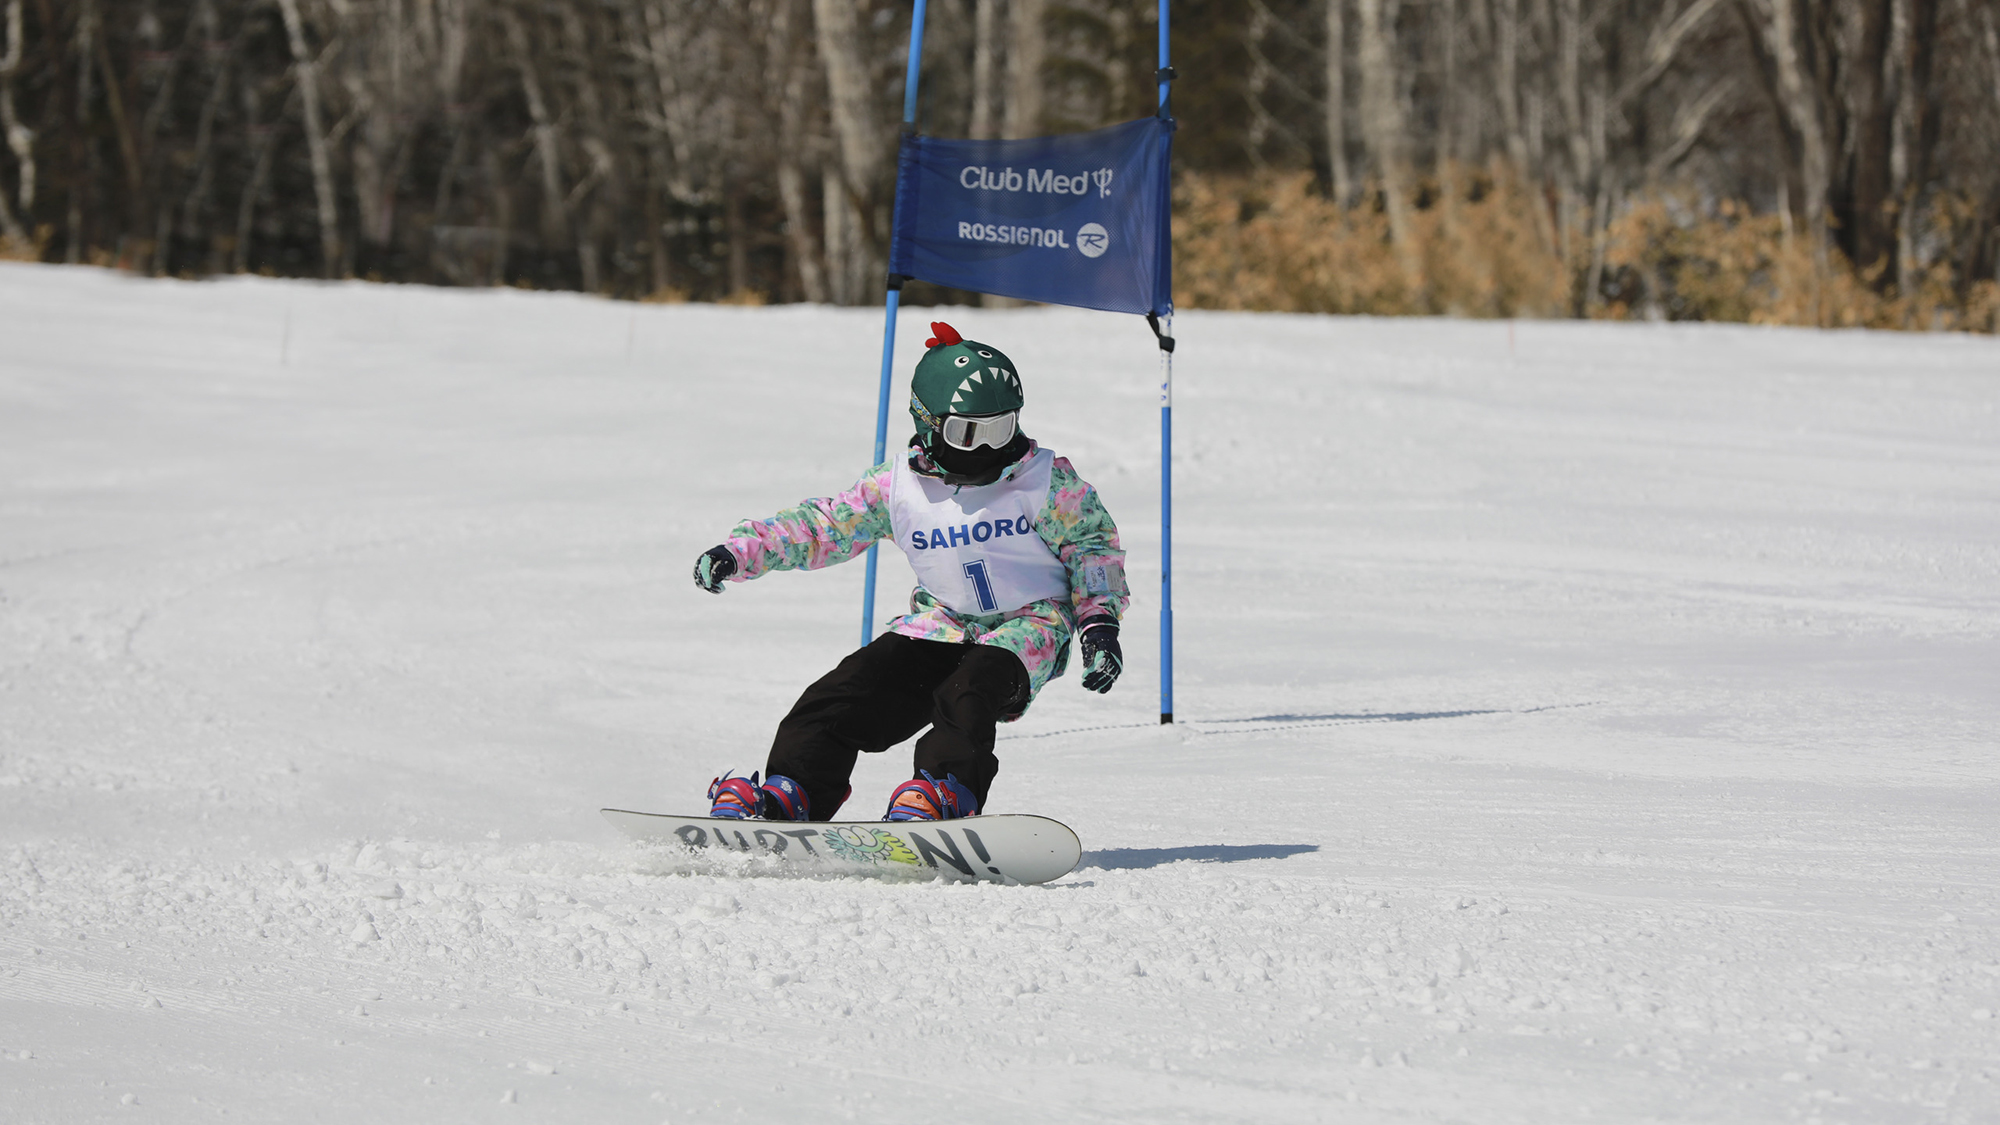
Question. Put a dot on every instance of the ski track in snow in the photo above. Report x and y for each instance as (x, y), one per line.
(1601, 730)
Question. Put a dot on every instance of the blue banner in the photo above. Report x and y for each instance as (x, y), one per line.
(1080, 219)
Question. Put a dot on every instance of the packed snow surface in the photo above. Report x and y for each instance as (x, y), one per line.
(1575, 722)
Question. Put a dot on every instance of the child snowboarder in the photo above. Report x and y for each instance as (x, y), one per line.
(1013, 553)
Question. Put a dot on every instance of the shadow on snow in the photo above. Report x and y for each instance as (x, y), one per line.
(1130, 859)
(1360, 716)
(1259, 723)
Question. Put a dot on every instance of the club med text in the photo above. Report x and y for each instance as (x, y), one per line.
(978, 177)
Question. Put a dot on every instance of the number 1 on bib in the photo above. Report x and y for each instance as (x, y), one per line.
(975, 573)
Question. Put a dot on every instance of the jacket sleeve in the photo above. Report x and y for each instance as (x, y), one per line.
(1077, 528)
(815, 533)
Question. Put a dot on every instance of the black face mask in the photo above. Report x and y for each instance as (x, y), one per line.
(975, 466)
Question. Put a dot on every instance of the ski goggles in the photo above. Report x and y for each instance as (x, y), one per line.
(995, 430)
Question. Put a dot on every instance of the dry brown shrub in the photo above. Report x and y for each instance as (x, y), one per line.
(1272, 243)
(1275, 242)
(28, 250)
(1982, 308)
(1481, 253)
(1731, 264)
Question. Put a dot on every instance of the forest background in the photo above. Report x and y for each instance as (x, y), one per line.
(1829, 162)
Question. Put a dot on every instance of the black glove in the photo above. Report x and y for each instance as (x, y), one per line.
(713, 568)
(1102, 658)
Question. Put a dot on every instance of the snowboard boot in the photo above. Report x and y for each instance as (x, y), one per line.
(735, 798)
(928, 798)
(742, 798)
(784, 799)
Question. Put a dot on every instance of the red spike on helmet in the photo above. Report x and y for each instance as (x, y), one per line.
(944, 335)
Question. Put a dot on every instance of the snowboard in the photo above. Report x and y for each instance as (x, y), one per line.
(1003, 848)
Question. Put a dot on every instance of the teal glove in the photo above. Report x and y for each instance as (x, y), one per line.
(713, 568)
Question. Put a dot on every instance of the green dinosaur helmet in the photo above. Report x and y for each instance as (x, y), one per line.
(960, 376)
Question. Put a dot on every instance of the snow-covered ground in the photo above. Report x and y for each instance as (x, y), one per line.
(1579, 722)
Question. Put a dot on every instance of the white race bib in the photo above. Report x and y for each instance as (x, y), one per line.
(975, 548)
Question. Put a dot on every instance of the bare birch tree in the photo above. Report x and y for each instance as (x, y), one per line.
(1335, 99)
(1027, 48)
(306, 65)
(859, 140)
(20, 138)
(1382, 122)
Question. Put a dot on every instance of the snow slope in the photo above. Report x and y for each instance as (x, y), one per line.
(1580, 722)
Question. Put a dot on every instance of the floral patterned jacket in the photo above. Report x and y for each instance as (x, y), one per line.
(828, 530)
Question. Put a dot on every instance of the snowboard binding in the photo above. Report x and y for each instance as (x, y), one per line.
(928, 798)
(742, 798)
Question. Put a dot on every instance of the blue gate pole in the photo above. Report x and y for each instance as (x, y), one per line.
(1167, 523)
(894, 300)
(1166, 452)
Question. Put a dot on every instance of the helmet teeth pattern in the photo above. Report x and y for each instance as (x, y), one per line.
(962, 377)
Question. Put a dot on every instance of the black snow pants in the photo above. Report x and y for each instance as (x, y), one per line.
(888, 690)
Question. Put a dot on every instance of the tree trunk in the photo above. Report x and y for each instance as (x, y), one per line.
(196, 203)
(789, 71)
(1118, 70)
(1447, 156)
(1520, 124)
(739, 246)
(20, 138)
(675, 111)
(1027, 49)
(307, 69)
(1025, 54)
(449, 47)
(1256, 83)
(128, 145)
(503, 215)
(1916, 129)
(82, 150)
(1776, 37)
(1583, 199)
(1569, 33)
(837, 217)
(1507, 48)
(1866, 226)
(985, 55)
(264, 142)
(1382, 130)
(656, 244)
(1982, 253)
(11, 232)
(1607, 185)
(548, 154)
(859, 143)
(386, 111)
(792, 192)
(1335, 106)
